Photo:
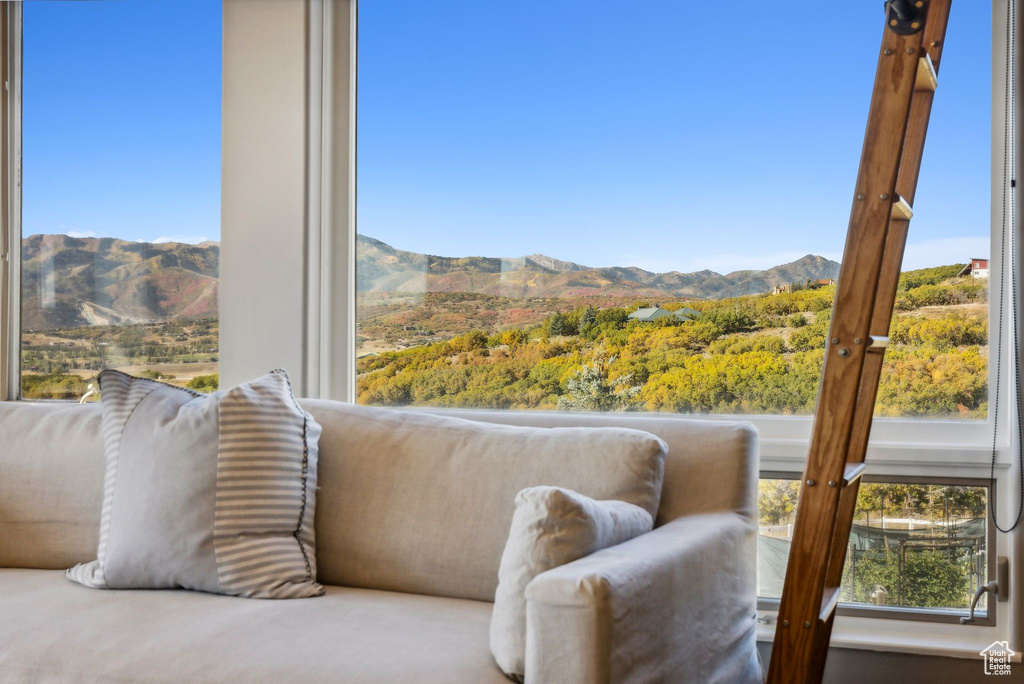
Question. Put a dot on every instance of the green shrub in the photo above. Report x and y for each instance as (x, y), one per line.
(797, 320)
(204, 383)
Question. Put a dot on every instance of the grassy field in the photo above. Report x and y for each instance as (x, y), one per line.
(60, 364)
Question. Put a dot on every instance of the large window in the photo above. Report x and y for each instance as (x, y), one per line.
(121, 193)
(564, 206)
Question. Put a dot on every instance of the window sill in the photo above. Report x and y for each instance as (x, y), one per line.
(791, 453)
(867, 634)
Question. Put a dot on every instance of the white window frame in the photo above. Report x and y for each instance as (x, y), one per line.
(10, 216)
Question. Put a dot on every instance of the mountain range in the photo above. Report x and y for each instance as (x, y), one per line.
(71, 281)
(381, 267)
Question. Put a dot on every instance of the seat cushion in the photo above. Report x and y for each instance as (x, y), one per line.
(55, 631)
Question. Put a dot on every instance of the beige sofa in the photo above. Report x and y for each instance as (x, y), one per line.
(674, 605)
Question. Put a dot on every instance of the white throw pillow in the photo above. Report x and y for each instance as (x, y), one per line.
(208, 492)
(551, 526)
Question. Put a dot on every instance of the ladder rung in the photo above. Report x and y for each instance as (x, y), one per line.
(852, 473)
(829, 601)
(878, 343)
(900, 209)
(927, 79)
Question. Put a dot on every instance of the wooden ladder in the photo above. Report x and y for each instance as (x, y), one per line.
(901, 104)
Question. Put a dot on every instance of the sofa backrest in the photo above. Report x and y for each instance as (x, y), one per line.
(422, 503)
(711, 467)
(51, 484)
(52, 465)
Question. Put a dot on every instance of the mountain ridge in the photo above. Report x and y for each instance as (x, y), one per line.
(71, 281)
(383, 268)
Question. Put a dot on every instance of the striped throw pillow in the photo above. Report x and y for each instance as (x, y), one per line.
(208, 492)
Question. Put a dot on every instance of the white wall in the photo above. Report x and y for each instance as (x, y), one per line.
(264, 190)
(288, 188)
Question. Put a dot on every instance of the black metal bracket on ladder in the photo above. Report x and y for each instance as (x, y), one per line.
(905, 16)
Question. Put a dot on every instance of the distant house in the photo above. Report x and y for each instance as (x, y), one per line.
(810, 284)
(978, 268)
(653, 313)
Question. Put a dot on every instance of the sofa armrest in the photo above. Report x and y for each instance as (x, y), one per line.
(675, 605)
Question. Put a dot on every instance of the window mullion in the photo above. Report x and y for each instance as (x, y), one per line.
(10, 201)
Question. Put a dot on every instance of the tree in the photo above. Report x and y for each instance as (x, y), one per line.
(777, 500)
(588, 322)
(729, 320)
(557, 325)
(204, 383)
(613, 315)
(588, 316)
(514, 337)
(472, 340)
(590, 389)
(931, 578)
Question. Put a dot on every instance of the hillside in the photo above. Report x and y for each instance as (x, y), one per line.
(749, 354)
(382, 268)
(71, 282)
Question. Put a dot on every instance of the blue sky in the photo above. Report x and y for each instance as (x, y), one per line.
(648, 133)
(659, 133)
(121, 118)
